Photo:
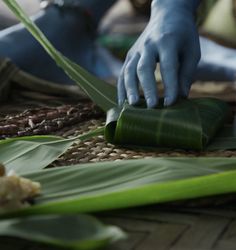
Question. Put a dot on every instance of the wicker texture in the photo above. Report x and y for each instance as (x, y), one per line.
(75, 119)
(47, 120)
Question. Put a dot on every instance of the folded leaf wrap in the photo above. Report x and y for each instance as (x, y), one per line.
(189, 124)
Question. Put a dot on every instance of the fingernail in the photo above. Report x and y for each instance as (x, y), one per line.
(151, 102)
(132, 99)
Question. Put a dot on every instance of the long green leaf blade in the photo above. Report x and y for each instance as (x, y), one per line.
(113, 185)
(28, 154)
(81, 232)
(102, 93)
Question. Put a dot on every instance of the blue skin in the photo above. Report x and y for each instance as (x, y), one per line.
(170, 38)
(67, 30)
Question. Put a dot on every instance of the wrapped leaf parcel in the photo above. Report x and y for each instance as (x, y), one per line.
(190, 124)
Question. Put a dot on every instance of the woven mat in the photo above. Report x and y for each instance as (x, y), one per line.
(98, 149)
(73, 119)
(57, 120)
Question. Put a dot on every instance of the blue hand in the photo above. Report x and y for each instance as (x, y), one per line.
(170, 38)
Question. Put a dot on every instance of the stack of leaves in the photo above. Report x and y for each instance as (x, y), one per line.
(112, 185)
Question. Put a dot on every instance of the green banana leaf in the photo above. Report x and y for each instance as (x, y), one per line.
(36, 138)
(189, 124)
(80, 232)
(102, 93)
(32, 153)
(113, 185)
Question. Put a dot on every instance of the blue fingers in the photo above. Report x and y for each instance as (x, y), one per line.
(145, 71)
(172, 37)
(138, 69)
(176, 75)
(121, 88)
(169, 71)
(128, 83)
(131, 81)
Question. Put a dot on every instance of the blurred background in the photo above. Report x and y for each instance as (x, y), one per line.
(7, 19)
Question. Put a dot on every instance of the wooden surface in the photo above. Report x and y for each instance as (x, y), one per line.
(162, 227)
(155, 228)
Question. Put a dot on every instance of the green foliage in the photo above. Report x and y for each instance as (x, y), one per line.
(32, 153)
(78, 232)
(112, 185)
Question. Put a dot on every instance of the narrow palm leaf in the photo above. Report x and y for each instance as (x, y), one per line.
(102, 93)
(80, 232)
(27, 154)
(113, 185)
